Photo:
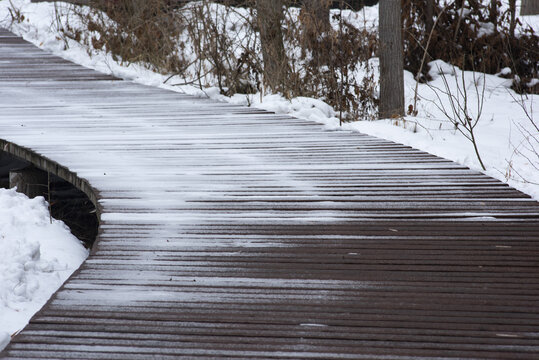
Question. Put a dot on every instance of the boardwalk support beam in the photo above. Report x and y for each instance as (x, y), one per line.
(47, 165)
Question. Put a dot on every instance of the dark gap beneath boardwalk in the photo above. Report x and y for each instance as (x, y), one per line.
(68, 203)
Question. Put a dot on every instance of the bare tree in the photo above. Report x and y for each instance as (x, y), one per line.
(269, 18)
(314, 18)
(429, 15)
(318, 12)
(529, 7)
(460, 111)
(493, 13)
(512, 13)
(528, 148)
(391, 59)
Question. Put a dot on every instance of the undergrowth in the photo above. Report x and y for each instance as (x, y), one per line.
(472, 35)
(219, 44)
(210, 44)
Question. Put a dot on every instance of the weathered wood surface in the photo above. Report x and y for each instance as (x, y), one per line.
(229, 232)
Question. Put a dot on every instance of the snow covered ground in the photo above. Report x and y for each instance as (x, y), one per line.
(36, 257)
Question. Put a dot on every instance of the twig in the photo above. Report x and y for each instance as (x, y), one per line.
(460, 115)
(424, 58)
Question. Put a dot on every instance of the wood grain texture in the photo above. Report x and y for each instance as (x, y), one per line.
(230, 232)
(391, 54)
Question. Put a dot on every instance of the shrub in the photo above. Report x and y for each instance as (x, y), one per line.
(477, 37)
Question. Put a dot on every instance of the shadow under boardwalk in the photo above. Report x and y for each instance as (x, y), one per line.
(230, 232)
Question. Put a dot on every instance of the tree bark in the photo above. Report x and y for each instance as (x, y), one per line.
(493, 13)
(429, 15)
(513, 14)
(269, 18)
(318, 12)
(314, 19)
(529, 7)
(391, 60)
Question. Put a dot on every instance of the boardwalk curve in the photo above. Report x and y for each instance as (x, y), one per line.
(230, 232)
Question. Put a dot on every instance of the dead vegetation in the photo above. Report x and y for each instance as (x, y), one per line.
(471, 35)
(210, 44)
(302, 50)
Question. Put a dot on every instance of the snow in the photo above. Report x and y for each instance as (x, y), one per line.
(485, 29)
(36, 258)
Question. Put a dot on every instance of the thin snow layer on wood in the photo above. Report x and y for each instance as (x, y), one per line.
(36, 257)
(506, 138)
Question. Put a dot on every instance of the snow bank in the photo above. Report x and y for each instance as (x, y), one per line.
(36, 257)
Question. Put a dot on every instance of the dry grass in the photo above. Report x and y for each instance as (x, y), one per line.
(211, 44)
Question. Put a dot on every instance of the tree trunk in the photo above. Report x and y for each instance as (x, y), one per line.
(318, 13)
(391, 60)
(314, 17)
(493, 14)
(513, 14)
(429, 16)
(269, 18)
(529, 7)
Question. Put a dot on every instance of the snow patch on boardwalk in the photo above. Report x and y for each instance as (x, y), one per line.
(36, 257)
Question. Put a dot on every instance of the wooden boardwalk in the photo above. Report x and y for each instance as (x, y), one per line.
(230, 232)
